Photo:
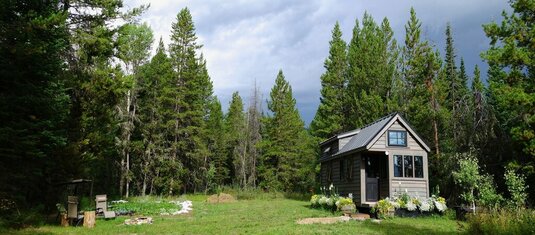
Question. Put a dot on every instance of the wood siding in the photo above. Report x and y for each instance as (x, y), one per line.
(344, 186)
(413, 187)
(382, 143)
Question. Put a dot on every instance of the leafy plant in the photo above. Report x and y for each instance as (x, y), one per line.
(516, 184)
(345, 201)
(467, 177)
(488, 196)
(383, 207)
(502, 221)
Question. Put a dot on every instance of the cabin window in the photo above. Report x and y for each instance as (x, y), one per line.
(418, 167)
(397, 138)
(408, 166)
(398, 166)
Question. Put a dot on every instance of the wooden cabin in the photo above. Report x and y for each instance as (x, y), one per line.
(383, 159)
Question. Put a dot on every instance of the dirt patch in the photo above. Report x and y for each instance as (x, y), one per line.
(324, 220)
(221, 198)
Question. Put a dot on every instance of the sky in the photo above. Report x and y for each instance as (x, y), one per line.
(248, 42)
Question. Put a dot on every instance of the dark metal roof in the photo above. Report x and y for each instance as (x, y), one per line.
(361, 138)
(365, 135)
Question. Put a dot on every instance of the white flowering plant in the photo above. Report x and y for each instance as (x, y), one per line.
(431, 204)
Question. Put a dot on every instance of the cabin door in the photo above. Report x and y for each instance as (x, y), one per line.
(372, 178)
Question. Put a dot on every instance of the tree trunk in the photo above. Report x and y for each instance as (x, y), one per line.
(122, 177)
(144, 187)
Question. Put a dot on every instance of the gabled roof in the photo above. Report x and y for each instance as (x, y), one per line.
(364, 137)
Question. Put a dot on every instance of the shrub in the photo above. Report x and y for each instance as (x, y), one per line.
(383, 208)
(516, 184)
(344, 201)
(329, 202)
(488, 197)
(314, 200)
(467, 177)
(502, 222)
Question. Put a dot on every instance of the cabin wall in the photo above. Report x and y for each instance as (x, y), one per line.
(413, 187)
(382, 145)
(416, 187)
(343, 186)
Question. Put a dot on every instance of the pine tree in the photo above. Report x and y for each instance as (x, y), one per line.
(236, 136)
(287, 162)
(34, 100)
(372, 59)
(215, 126)
(189, 147)
(421, 97)
(154, 81)
(511, 75)
(329, 116)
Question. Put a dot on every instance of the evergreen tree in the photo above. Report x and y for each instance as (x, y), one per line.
(287, 160)
(217, 143)
(154, 82)
(463, 111)
(236, 136)
(422, 90)
(372, 59)
(189, 147)
(511, 80)
(34, 100)
(329, 116)
(95, 87)
(425, 98)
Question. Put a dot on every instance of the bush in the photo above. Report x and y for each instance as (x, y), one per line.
(516, 184)
(333, 203)
(502, 222)
(488, 197)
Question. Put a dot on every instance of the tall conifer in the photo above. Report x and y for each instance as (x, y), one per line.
(329, 116)
(287, 162)
(189, 108)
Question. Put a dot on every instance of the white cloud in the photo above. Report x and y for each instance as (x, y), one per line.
(248, 41)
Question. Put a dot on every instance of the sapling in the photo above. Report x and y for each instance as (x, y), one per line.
(468, 178)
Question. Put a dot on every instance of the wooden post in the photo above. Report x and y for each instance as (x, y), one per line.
(89, 219)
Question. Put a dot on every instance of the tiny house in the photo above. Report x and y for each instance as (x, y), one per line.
(383, 159)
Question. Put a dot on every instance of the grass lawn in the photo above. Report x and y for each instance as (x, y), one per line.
(272, 216)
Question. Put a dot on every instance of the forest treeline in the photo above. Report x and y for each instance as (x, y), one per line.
(82, 97)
